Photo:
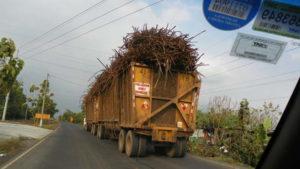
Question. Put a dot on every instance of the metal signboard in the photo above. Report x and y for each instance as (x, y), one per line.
(230, 14)
(258, 48)
(42, 116)
(278, 18)
(142, 89)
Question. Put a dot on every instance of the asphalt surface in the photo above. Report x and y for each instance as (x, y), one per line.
(70, 147)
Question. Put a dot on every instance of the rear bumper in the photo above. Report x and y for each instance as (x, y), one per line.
(166, 134)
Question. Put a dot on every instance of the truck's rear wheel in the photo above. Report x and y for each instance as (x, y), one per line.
(160, 150)
(182, 147)
(101, 132)
(131, 147)
(173, 150)
(93, 129)
(177, 149)
(88, 127)
(121, 141)
(142, 148)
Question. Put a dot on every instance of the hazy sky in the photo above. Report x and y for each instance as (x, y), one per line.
(71, 60)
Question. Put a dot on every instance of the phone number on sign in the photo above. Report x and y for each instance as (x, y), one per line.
(281, 17)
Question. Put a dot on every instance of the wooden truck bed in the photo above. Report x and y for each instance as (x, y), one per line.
(150, 104)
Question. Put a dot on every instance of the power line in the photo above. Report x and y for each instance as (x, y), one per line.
(255, 85)
(96, 28)
(62, 66)
(57, 77)
(272, 98)
(63, 23)
(218, 41)
(228, 70)
(218, 55)
(247, 64)
(239, 58)
(77, 27)
(85, 48)
(67, 81)
(76, 60)
(261, 78)
(225, 63)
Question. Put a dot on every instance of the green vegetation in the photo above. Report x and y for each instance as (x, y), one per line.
(239, 134)
(17, 102)
(10, 68)
(36, 99)
(50, 124)
(14, 103)
(73, 117)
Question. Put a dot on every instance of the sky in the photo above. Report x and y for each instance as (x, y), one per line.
(71, 57)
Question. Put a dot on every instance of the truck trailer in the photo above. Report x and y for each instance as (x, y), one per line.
(142, 108)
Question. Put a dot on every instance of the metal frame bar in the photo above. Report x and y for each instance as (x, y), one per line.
(164, 106)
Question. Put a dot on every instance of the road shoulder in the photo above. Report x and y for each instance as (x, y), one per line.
(221, 163)
(28, 145)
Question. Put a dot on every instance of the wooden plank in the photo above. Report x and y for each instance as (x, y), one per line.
(173, 101)
(182, 116)
(161, 98)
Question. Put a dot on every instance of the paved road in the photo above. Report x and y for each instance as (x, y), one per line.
(70, 147)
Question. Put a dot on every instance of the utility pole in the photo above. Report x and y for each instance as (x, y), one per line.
(26, 112)
(44, 97)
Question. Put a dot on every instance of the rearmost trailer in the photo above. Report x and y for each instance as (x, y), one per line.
(143, 101)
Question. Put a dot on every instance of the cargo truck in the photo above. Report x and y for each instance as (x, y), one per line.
(142, 108)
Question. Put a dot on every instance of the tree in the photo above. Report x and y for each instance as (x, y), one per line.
(36, 99)
(268, 114)
(17, 100)
(9, 69)
(50, 105)
(32, 100)
(244, 113)
(76, 116)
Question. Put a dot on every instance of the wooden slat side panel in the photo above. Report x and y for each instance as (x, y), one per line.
(88, 112)
(141, 92)
(125, 97)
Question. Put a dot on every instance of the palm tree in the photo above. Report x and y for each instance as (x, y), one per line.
(10, 68)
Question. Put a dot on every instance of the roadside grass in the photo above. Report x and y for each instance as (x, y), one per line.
(11, 145)
(9, 148)
(51, 125)
(200, 148)
(230, 161)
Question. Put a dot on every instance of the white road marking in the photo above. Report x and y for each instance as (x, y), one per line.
(27, 151)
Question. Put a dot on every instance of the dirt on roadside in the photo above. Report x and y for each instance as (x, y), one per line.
(10, 148)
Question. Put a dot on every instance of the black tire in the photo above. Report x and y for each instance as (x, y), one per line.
(131, 147)
(182, 147)
(93, 129)
(160, 150)
(172, 151)
(142, 149)
(121, 141)
(177, 149)
(101, 132)
(88, 127)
